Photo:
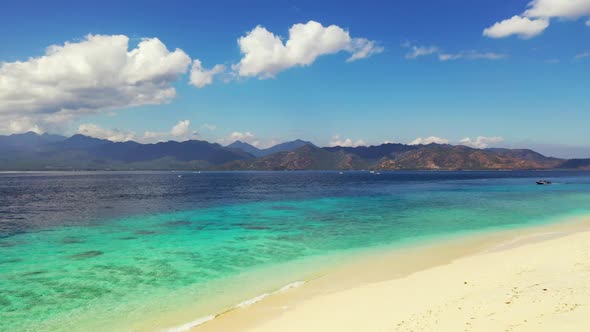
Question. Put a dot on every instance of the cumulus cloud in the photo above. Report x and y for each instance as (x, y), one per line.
(536, 18)
(22, 125)
(429, 140)
(570, 9)
(180, 132)
(416, 51)
(265, 54)
(347, 142)
(201, 77)
(481, 142)
(181, 129)
(97, 73)
(517, 25)
(115, 135)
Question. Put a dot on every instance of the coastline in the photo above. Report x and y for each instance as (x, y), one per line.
(373, 274)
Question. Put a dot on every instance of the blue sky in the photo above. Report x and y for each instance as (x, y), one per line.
(535, 93)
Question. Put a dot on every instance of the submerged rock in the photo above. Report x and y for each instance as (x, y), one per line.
(283, 208)
(32, 273)
(254, 227)
(87, 254)
(11, 260)
(71, 240)
(176, 223)
(144, 232)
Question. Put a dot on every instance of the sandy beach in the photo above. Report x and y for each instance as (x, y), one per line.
(533, 279)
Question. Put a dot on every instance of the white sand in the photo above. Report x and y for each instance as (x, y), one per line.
(542, 286)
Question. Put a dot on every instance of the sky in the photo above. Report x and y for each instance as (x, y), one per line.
(481, 73)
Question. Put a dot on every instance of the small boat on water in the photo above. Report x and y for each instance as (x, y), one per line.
(542, 182)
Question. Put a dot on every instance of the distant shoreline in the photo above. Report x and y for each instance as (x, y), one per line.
(297, 170)
(30, 151)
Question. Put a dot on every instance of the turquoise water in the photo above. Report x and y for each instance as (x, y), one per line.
(149, 271)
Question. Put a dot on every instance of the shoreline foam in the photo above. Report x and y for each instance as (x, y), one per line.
(200, 321)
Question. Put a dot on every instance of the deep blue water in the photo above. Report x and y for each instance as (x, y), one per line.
(32, 201)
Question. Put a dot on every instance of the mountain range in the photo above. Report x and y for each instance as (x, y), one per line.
(256, 152)
(31, 151)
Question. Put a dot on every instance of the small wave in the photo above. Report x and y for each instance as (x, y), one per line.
(190, 325)
(292, 285)
(249, 302)
(265, 295)
(252, 300)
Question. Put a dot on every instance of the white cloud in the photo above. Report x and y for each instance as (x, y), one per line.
(154, 136)
(23, 125)
(583, 55)
(265, 54)
(481, 142)
(363, 48)
(246, 137)
(208, 127)
(517, 25)
(588, 23)
(536, 18)
(337, 141)
(181, 128)
(179, 132)
(201, 77)
(570, 9)
(416, 51)
(115, 135)
(94, 74)
(471, 55)
(429, 140)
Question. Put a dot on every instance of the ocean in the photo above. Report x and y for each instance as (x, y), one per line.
(153, 251)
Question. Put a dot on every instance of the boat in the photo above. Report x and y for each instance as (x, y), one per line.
(542, 182)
